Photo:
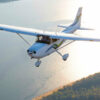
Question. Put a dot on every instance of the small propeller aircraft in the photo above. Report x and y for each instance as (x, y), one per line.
(49, 42)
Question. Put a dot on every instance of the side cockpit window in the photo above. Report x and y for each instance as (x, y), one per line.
(45, 39)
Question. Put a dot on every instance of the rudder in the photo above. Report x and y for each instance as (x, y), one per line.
(77, 20)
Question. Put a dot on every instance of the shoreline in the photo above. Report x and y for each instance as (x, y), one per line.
(62, 87)
(52, 91)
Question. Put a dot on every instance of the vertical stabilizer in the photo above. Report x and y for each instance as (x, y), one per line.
(77, 21)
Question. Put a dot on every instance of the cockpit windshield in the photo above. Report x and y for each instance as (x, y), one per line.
(45, 39)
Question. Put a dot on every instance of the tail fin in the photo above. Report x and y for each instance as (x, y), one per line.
(77, 20)
(76, 23)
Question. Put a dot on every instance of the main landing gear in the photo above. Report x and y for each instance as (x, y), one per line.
(64, 57)
(37, 64)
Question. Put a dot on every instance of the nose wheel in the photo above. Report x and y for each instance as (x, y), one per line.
(37, 64)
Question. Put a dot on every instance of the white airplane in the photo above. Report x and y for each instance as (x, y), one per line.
(49, 42)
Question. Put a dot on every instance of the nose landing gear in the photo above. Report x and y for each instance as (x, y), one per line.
(37, 64)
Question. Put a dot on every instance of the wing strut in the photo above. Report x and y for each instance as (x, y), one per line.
(66, 44)
(24, 39)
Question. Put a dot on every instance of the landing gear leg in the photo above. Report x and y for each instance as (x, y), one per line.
(37, 64)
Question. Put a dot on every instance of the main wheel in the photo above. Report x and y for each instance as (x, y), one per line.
(37, 64)
(64, 57)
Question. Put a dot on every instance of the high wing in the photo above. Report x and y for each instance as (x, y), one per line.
(35, 32)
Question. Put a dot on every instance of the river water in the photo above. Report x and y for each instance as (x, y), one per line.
(19, 78)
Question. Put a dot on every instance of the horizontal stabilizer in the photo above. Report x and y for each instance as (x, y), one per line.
(85, 28)
(62, 26)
